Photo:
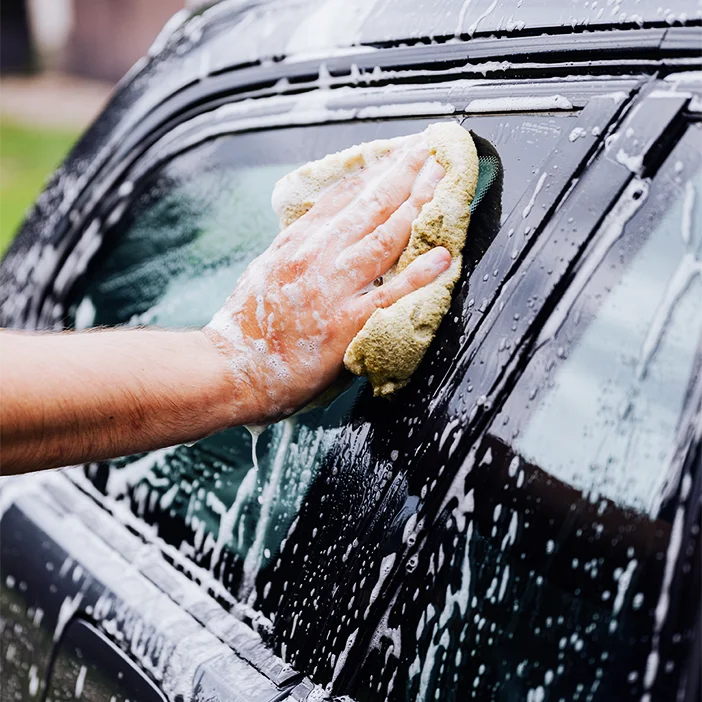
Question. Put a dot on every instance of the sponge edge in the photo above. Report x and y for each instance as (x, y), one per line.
(392, 343)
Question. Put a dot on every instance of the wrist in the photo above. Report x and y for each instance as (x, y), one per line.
(238, 402)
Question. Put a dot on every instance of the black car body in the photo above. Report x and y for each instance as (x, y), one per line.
(522, 521)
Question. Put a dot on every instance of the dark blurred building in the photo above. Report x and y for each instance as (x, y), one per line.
(108, 36)
(15, 41)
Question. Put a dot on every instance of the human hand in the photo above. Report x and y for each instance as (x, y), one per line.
(296, 308)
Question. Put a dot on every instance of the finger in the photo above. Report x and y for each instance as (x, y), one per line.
(382, 196)
(330, 203)
(376, 253)
(422, 271)
(340, 194)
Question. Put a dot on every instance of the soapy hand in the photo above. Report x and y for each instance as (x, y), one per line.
(296, 308)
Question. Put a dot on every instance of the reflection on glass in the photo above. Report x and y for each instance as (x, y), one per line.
(608, 417)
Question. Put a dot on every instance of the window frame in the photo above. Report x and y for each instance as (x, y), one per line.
(599, 110)
(178, 146)
(67, 231)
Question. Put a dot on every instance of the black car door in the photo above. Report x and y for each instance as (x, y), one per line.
(297, 541)
(164, 245)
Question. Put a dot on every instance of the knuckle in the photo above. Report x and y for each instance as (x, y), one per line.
(406, 214)
(294, 266)
(423, 191)
(345, 262)
(384, 241)
(417, 156)
(390, 293)
(415, 204)
(383, 297)
(352, 183)
(382, 200)
(414, 277)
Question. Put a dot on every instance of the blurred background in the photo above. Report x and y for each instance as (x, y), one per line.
(59, 60)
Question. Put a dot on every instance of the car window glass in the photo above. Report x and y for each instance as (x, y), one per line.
(560, 581)
(520, 141)
(171, 258)
(605, 420)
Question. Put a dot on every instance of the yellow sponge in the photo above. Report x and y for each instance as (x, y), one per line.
(393, 341)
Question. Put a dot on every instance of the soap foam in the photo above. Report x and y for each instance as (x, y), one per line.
(394, 340)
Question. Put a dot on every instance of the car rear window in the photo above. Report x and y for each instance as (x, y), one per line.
(171, 259)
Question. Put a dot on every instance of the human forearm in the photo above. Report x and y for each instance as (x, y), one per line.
(70, 398)
(276, 344)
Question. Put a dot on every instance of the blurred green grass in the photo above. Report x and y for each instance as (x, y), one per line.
(28, 156)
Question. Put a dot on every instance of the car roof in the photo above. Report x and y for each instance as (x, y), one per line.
(302, 27)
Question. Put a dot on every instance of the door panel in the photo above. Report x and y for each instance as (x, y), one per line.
(169, 258)
(65, 559)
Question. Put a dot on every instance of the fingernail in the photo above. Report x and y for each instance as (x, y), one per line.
(433, 171)
(438, 172)
(439, 259)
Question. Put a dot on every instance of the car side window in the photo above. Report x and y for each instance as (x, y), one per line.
(605, 415)
(172, 253)
(571, 529)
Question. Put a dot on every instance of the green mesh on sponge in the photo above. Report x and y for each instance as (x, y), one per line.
(489, 170)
